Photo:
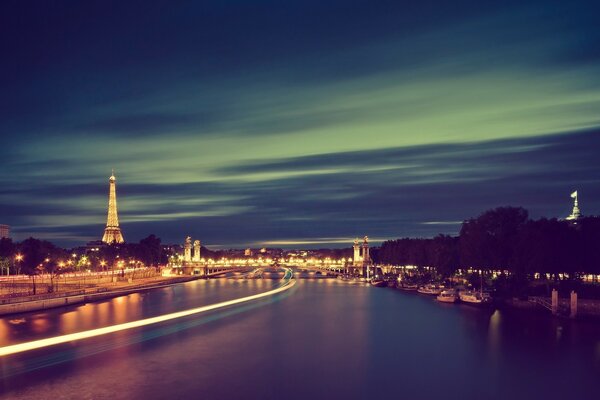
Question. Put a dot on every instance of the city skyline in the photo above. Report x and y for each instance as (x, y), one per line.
(242, 128)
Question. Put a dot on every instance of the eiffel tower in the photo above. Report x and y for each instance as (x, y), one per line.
(112, 232)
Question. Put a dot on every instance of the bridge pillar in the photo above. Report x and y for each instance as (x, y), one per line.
(554, 301)
(196, 256)
(187, 249)
(573, 304)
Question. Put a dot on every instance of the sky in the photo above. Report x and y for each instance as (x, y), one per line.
(296, 123)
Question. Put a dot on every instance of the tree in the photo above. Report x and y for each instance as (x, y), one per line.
(547, 246)
(488, 241)
(588, 230)
(5, 263)
(35, 253)
(444, 254)
(7, 248)
(149, 251)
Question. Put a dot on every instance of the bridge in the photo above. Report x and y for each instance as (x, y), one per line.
(255, 268)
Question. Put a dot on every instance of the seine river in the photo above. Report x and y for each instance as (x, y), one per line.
(322, 339)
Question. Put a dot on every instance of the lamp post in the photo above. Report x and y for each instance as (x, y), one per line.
(19, 258)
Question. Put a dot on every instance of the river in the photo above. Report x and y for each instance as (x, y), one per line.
(322, 339)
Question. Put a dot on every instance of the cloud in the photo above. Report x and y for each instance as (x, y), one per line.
(432, 189)
(241, 126)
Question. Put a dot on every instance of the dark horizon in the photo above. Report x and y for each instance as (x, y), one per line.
(294, 125)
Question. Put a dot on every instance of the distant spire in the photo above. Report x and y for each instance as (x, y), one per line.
(576, 213)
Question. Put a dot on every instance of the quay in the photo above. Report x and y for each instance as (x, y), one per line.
(40, 302)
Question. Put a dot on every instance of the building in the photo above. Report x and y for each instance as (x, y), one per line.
(94, 245)
(576, 213)
(112, 232)
(4, 231)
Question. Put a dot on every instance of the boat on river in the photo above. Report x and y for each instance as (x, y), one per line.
(475, 297)
(448, 296)
(378, 282)
(411, 287)
(431, 289)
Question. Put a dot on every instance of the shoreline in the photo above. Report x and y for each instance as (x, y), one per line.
(41, 304)
(587, 310)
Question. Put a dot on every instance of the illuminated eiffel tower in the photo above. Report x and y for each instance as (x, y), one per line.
(112, 232)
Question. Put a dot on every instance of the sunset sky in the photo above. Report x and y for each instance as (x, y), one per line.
(294, 123)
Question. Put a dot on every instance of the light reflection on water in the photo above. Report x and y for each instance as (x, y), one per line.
(323, 339)
(123, 309)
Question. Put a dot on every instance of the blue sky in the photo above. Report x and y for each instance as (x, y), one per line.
(294, 123)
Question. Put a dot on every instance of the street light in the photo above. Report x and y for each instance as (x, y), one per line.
(18, 259)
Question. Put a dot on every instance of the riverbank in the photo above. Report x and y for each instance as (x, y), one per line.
(45, 301)
(585, 308)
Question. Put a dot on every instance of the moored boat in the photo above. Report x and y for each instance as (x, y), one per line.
(474, 297)
(378, 282)
(407, 286)
(448, 296)
(430, 289)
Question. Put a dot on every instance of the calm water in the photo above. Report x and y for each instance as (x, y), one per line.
(321, 340)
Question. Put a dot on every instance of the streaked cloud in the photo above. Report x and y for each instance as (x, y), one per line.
(300, 124)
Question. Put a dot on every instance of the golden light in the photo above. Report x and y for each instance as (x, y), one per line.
(47, 260)
(41, 343)
(19, 257)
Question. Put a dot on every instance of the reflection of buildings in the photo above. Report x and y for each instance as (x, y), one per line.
(112, 232)
(4, 231)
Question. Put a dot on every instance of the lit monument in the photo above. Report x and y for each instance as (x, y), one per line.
(361, 259)
(196, 251)
(112, 232)
(187, 249)
(357, 259)
(576, 213)
(192, 263)
(366, 256)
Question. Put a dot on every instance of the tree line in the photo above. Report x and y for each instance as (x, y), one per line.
(34, 256)
(505, 239)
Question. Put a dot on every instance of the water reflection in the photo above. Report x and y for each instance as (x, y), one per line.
(494, 336)
(323, 339)
(123, 309)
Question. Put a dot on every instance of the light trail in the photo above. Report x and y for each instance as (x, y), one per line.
(38, 344)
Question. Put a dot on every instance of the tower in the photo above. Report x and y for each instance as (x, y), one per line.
(196, 251)
(357, 258)
(187, 249)
(366, 257)
(112, 232)
(576, 213)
